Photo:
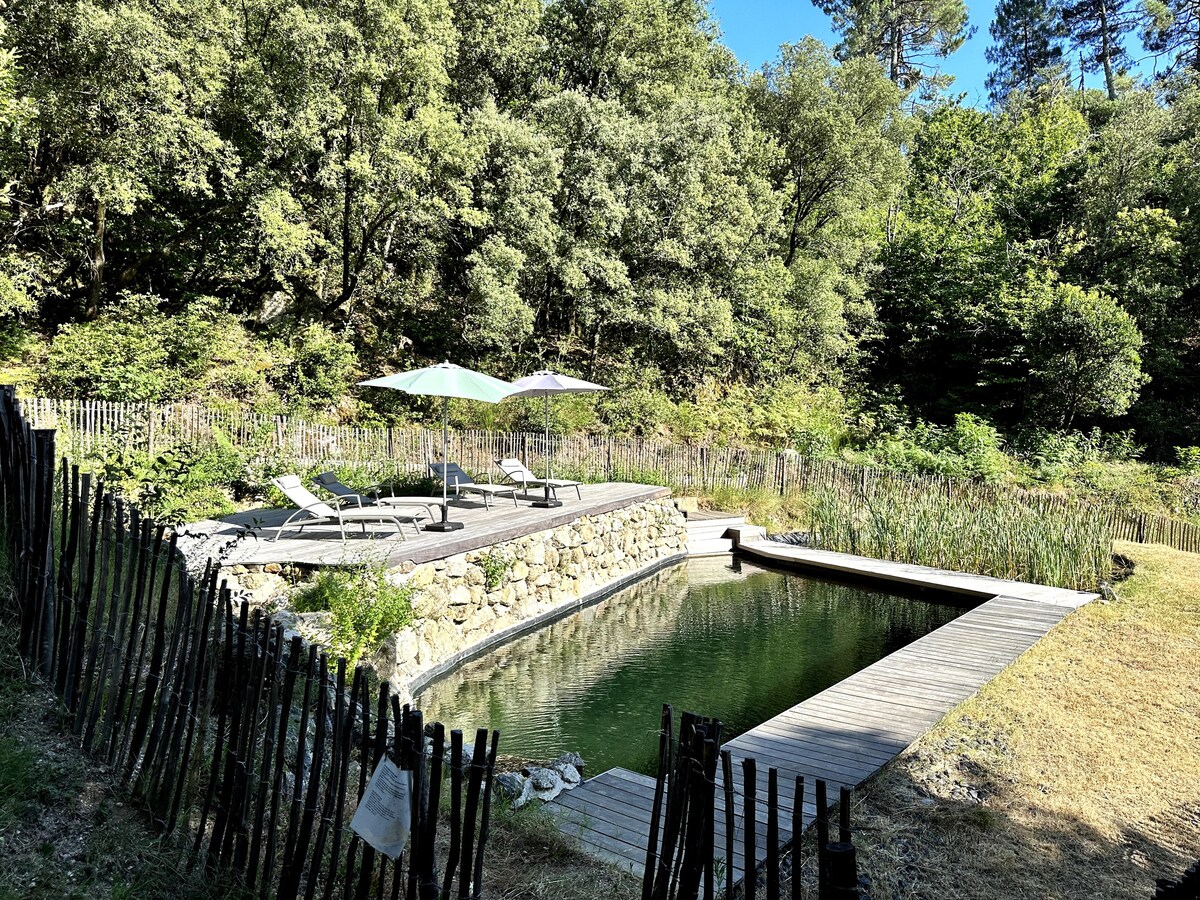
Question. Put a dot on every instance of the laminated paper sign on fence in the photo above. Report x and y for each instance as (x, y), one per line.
(384, 816)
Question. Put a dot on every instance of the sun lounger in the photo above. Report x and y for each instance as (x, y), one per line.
(461, 483)
(518, 473)
(329, 481)
(313, 511)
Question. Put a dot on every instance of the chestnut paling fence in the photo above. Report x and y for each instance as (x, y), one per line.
(686, 819)
(91, 428)
(249, 751)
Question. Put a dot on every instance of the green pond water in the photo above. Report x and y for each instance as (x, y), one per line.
(729, 640)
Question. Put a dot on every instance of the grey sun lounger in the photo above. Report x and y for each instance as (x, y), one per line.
(314, 511)
(461, 483)
(329, 481)
(518, 473)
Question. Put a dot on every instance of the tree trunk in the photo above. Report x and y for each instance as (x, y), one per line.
(1110, 83)
(98, 262)
(347, 208)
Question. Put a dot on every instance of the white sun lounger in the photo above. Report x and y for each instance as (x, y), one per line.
(518, 473)
(314, 511)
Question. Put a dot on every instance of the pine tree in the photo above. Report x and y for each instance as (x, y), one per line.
(1027, 36)
(1096, 29)
(906, 36)
(1173, 31)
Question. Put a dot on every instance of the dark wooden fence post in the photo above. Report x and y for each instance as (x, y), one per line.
(42, 598)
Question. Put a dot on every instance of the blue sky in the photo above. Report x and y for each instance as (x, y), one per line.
(754, 29)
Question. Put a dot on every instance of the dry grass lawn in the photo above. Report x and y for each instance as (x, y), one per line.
(1074, 774)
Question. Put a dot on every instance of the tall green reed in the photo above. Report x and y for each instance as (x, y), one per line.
(1025, 539)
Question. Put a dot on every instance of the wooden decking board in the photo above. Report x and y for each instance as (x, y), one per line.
(911, 668)
(794, 743)
(579, 826)
(873, 710)
(608, 814)
(817, 763)
(964, 657)
(808, 742)
(978, 664)
(907, 573)
(321, 545)
(880, 734)
(847, 732)
(920, 689)
(851, 743)
(989, 618)
(935, 668)
(645, 800)
(927, 689)
(628, 829)
(920, 685)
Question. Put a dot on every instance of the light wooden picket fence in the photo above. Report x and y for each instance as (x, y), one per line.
(88, 427)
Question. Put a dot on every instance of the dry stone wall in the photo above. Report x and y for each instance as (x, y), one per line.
(466, 600)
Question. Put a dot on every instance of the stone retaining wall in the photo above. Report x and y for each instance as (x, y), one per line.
(470, 599)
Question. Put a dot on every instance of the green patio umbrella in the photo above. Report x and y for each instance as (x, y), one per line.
(445, 380)
(544, 384)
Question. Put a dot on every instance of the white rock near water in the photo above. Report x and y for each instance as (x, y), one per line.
(542, 783)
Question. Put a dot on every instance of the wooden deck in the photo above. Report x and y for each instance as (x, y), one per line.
(241, 539)
(912, 575)
(842, 735)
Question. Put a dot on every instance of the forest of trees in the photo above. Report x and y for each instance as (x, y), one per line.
(259, 201)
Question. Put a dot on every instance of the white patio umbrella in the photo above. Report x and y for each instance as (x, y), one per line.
(445, 380)
(544, 384)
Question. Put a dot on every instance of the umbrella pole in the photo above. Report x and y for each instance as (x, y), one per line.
(445, 454)
(547, 503)
(445, 524)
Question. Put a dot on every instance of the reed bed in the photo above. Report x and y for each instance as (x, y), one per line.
(1064, 545)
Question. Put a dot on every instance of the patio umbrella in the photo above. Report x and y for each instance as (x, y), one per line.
(445, 380)
(544, 384)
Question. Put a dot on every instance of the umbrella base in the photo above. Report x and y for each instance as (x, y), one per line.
(444, 526)
(546, 504)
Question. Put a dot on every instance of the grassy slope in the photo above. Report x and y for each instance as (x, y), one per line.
(64, 831)
(1075, 773)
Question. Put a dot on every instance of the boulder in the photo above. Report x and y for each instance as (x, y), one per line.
(546, 783)
(510, 785)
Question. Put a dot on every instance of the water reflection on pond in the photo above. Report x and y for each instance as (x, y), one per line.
(725, 639)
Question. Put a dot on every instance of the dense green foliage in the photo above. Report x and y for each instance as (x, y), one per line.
(363, 605)
(261, 202)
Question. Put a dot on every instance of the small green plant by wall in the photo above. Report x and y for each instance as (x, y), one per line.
(494, 565)
(364, 607)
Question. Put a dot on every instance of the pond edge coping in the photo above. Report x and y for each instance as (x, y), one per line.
(981, 586)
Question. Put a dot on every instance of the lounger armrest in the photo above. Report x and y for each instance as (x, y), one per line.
(376, 490)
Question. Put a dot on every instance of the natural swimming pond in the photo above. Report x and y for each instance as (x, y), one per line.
(729, 640)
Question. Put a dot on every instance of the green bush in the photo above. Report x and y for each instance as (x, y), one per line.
(135, 352)
(363, 605)
(494, 565)
(1189, 459)
(178, 485)
(315, 368)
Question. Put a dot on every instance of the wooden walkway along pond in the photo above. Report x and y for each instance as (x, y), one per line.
(843, 734)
